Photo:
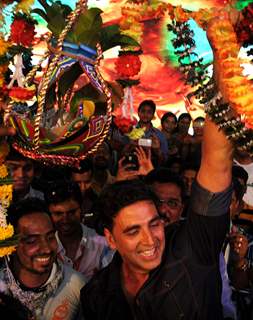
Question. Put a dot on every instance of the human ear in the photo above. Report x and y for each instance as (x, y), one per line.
(110, 239)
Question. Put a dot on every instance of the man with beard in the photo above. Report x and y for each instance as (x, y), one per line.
(157, 276)
(33, 276)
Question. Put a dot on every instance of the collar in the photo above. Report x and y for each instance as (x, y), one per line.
(85, 242)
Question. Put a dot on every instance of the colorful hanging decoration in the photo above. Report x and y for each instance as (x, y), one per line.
(234, 87)
(22, 30)
(56, 120)
(128, 65)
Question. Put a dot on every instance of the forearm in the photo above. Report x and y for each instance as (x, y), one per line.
(216, 162)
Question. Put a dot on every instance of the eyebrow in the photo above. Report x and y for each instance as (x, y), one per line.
(38, 235)
(137, 226)
(174, 199)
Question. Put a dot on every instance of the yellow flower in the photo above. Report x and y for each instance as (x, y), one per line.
(3, 171)
(6, 232)
(5, 251)
(136, 133)
(1, 81)
(3, 46)
(25, 5)
(6, 194)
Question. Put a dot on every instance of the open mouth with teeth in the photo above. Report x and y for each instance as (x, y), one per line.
(149, 254)
(44, 260)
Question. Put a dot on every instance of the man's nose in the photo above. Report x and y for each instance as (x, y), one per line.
(19, 172)
(148, 238)
(65, 217)
(45, 246)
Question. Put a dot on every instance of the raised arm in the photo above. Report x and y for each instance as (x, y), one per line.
(216, 162)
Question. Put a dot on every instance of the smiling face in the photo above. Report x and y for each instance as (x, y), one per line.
(36, 251)
(66, 217)
(138, 235)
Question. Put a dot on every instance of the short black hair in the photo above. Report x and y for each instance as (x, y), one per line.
(118, 196)
(165, 175)
(60, 191)
(199, 119)
(84, 166)
(167, 115)
(24, 207)
(149, 103)
(183, 116)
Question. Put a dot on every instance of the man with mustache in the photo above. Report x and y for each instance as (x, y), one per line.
(33, 276)
(154, 275)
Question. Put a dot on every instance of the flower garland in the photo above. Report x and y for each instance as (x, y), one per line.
(8, 241)
(128, 65)
(18, 48)
(234, 87)
(18, 44)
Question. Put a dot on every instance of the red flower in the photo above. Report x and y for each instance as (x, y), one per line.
(125, 125)
(21, 94)
(22, 32)
(128, 65)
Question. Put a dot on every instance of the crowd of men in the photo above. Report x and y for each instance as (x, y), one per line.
(160, 237)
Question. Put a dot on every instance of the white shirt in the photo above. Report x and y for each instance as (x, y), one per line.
(92, 254)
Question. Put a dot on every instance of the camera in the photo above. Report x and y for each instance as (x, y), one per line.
(144, 142)
(131, 160)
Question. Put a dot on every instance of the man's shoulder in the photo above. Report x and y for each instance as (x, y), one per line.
(91, 235)
(158, 132)
(99, 283)
(72, 276)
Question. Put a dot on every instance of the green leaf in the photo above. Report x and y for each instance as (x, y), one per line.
(111, 37)
(41, 13)
(87, 29)
(55, 15)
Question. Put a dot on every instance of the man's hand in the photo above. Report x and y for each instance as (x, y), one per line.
(239, 244)
(144, 158)
(124, 171)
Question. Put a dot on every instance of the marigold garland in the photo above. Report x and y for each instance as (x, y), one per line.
(4, 45)
(3, 171)
(235, 88)
(6, 232)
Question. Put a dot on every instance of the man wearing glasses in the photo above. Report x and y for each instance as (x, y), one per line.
(169, 189)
